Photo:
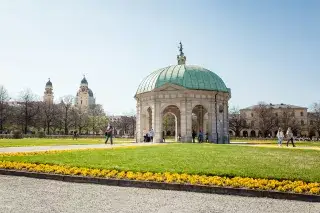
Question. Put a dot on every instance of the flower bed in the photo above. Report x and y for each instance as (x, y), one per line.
(235, 182)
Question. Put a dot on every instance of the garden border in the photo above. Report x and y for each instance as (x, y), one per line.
(165, 186)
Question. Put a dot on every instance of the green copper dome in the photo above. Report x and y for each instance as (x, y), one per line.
(188, 76)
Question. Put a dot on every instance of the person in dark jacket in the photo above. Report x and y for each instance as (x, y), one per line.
(200, 138)
(194, 135)
(109, 134)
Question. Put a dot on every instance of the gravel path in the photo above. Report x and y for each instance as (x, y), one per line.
(21, 194)
(69, 147)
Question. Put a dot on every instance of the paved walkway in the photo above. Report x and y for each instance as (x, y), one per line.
(21, 194)
(70, 147)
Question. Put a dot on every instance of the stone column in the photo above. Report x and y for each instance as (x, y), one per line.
(179, 124)
(226, 122)
(188, 136)
(215, 121)
(186, 121)
(210, 130)
(138, 123)
(157, 122)
(176, 128)
(183, 120)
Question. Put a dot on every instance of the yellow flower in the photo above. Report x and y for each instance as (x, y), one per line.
(251, 183)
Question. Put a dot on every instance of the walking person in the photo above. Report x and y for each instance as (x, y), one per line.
(108, 134)
(290, 136)
(194, 134)
(75, 135)
(163, 138)
(200, 138)
(280, 136)
(151, 134)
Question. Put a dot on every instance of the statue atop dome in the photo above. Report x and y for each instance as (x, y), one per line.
(181, 58)
(180, 49)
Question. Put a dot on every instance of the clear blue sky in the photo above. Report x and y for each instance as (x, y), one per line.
(263, 50)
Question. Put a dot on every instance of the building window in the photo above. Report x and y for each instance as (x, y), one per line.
(81, 102)
(276, 114)
(301, 113)
(251, 114)
(302, 122)
(311, 122)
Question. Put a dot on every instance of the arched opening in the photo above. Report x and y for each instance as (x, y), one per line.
(245, 133)
(200, 121)
(168, 124)
(231, 133)
(171, 124)
(146, 125)
(253, 134)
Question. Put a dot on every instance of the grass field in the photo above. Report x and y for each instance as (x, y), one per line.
(210, 159)
(56, 142)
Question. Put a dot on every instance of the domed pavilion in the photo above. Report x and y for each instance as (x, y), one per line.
(195, 96)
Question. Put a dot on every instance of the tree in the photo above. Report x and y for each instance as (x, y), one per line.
(83, 120)
(97, 118)
(125, 123)
(265, 118)
(315, 117)
(49, 112)
(287, 119)
(237, 121)
(4, 107)
(66, 103)
(29, 108)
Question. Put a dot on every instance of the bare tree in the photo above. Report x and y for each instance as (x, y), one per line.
(264, 118)
(49, 113)
(4, 107)
(287, 119)
(29, 108)
(66, 103)
(97, 118)
(83, 120)
(237, 121)
(126, 124)
(315, 117)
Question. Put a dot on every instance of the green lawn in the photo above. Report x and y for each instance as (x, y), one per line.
(52, 142)
(210, 159)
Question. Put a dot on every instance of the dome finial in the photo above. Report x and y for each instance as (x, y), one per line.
(181, 58)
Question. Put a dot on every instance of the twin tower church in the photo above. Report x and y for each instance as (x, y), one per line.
(84, 97)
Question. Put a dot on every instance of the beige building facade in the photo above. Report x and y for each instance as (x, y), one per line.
(300, 114)
(195, 96)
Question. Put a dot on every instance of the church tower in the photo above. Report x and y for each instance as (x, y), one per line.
(84, 96)
(48, 93)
